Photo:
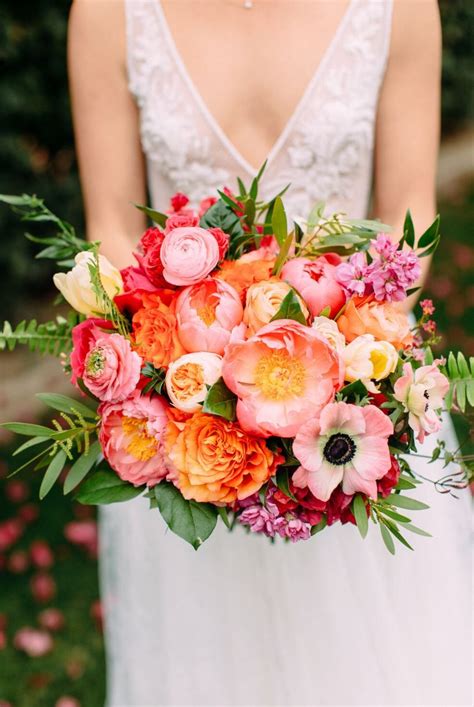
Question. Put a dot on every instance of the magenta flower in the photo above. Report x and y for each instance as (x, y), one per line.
(343, 443)
(351, 274)
(261, 520)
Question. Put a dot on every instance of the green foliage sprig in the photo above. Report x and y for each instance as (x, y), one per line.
(460, 372)
(52, 337)
(106, 303)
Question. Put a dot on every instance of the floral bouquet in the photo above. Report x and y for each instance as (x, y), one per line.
(244, 369)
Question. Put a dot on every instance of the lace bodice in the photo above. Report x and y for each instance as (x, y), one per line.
(326, 148)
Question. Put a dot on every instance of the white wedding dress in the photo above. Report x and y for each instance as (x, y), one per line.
(334, 620)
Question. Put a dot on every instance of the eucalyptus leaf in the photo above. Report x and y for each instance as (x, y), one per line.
(192, 521)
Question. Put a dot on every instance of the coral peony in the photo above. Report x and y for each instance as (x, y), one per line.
(343, 443)
(316, 282)
(214, 460)
(206, 314)
(154, 331)
(384, 321)
(131, 435)
(281, 376)
(422, 393)
(76, 288)
(188, 255)
(264, 300)
(189, 377)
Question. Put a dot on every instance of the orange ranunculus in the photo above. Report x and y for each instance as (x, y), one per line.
(243, 274)
(154, 331)
(384, 321)
(215, 461)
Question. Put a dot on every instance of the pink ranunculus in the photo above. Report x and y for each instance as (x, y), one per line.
(111, 368)
(131, 435)
(343, 442)
(188, 255)
(422, 393)
(282, 375)
(84, 336)
(181, 221)
(315, 281)
(207, 314)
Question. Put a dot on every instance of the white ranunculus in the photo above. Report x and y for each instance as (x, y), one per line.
(368, 360)
(187, 379)
(76, 288)
(328, 328)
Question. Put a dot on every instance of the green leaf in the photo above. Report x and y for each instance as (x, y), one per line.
(81, 467)
(360, 514)
(290, 308)
(29, 430)
(409, 230)
(65, 404)
(282, 480)
(430, 250)
(395, 516)
(405, 485)
(222, 216)
(325, 312)
(410, 504)
(52, 473)
(396, 533)
(105, 486)
(279, 223)
(320, 526)
(220, 401)
(387, 538)
(155, 216)
(356, 388)
(414, 529)
(222, 510)
(282, 255)
(430, 235)
(52, 337)
(33, 442)
(192, 521)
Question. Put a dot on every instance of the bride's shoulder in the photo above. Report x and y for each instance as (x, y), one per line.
(416, 27)
(97, 29)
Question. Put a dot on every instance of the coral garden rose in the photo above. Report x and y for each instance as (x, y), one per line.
(75, 285)
(131, 435)
(422, 393)
(188, 255)
(281, 376)
(384, 321)
(330, 331)
(111, 368)
(154, 332)
(188, 378)
(214, 460)
(367, 360)
(315, 280)
(206, 314)
(264, 300)
(240, 274)
(343, 442)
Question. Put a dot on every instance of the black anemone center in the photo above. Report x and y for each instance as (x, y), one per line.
(339, 449)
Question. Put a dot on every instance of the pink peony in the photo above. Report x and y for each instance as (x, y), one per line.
(131, 434)
(207, 313)
(33, 642)
(111, 368)
(343, 443)
(282, 375)
(188, 255)
(315, 281)
(422, 393)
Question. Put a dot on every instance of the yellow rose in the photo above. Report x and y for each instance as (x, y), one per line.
(75, 285)
(368, 360)
(263, 302)
(187, 379)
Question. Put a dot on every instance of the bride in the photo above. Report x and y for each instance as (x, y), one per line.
(336, 95)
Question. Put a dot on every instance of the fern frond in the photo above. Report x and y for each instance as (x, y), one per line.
(52, 337)
(460, 372)
(106, 303)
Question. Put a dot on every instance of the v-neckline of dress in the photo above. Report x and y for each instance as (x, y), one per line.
(208, 115)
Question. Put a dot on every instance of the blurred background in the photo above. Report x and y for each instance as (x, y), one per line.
(51, 649)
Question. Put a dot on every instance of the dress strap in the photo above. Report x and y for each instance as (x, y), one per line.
(143, 44)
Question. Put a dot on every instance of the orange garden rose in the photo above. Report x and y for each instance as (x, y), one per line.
(243, 274)
(386, 322)
(215, 461)
(154, 331)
